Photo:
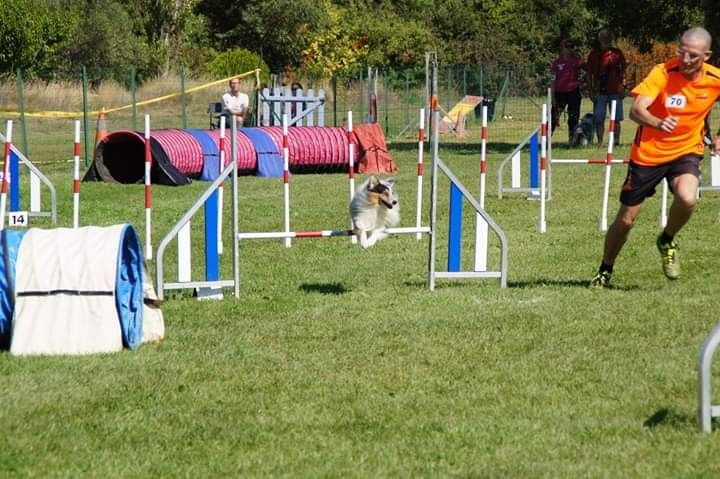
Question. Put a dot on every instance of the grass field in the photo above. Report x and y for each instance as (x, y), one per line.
(339, 362)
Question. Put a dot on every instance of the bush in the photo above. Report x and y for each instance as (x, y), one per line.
(239, 60)
(640, 63)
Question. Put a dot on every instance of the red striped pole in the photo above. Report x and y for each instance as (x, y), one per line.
(286, 177)
(481, 229)
(148, 191)
(351, 164)
(585, 162)
(221, 167)
(543, 167)
(608, 168)
(321, 233)
(483, 155)
(76, 176)
(6, 166)
(420, 171)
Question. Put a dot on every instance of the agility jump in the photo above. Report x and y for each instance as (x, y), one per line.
(231, 168)
(12, 159)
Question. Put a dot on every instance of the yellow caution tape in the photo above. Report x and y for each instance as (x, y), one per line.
(75, 114)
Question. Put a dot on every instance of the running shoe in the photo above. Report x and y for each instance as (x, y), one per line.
(670, 259)
(601, 280)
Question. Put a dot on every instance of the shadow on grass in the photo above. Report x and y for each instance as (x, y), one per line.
(457, 147)
(566, 283)
(538, 283)
(326, 288)
(668, 417)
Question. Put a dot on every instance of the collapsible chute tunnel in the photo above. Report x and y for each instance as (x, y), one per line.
(58, 295)
(181, 154)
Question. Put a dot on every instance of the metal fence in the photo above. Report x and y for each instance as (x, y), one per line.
(514, 97)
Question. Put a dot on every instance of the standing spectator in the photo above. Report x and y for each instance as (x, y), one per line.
(236, 102)
(565, 86)
(296, 89)
(606, 68)
(670, 106)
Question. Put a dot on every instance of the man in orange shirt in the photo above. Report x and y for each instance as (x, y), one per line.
(669, 106)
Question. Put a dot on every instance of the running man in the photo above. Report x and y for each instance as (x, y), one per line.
(669, 106)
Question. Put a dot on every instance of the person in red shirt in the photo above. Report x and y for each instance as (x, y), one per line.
(565, 86)
(606, 71)
(670, 106)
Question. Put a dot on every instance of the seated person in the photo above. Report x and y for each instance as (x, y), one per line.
(236, 102)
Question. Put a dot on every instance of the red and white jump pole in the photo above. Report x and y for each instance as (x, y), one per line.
(76, 176)
(148, 191)
(481, 229)
(608, 168)
(6, 166)
(542, 225)
(586, 162)
(322, 233)
(420, 172)
(286, 177)
(351, 164)
(221, 167)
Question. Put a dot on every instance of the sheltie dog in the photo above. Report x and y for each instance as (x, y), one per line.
(374, 207)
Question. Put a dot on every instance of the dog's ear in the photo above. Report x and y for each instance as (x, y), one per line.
(390, 182)
(372, 182)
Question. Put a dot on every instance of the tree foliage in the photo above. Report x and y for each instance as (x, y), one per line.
(236, 61)
(106, 50)
(32, 32)
(278, 30)
(54, 38)
(335, 50)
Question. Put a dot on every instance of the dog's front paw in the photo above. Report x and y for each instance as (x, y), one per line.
(372, 239)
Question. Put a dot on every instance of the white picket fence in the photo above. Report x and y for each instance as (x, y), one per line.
(302, 108)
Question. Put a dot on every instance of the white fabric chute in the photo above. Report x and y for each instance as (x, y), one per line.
(81, 291)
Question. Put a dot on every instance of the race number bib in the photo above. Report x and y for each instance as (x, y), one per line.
(675, 101)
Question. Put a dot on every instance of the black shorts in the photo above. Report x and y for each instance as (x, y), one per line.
(641, 181)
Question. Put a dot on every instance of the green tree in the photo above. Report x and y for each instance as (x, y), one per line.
(660, 20)
(278, 30)
(106, 50)
(334, 50)
(396, 40)
(32, 32)
(165, 25)
(712, 23)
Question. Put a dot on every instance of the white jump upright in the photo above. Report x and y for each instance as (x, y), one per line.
(420, 172)
(148, 191)
(481, 226)
(664, 204)
(76, 176)
(715, 170)
(351, 166)
(6, 170)
(542, 224)
(35, 193)
(184, 267)
(220, 190)
(608, 168)
(286, 178)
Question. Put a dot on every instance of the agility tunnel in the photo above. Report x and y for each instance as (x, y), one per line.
(59, 295)
(181, 155)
